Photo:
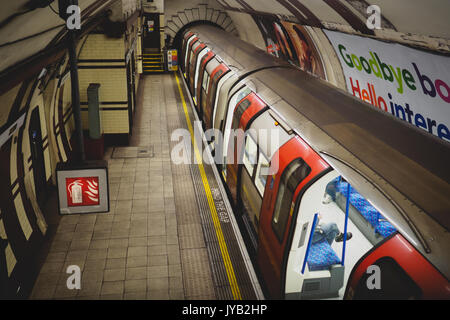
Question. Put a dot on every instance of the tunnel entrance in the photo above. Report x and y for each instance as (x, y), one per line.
(177, 41)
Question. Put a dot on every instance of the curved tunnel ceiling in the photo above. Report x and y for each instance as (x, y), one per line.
(425, 22)
(25, 30)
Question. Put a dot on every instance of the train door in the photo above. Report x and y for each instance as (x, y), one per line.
(37, 155)
(189, 44)
(335, 227)
(200, 59)
(225, 127)
(223, 88)
(236, 139)
(204, 89)
(197, 48)
(202, 74)
(264, 137)
(295, 165)
(190, 56)
(218, 73)
(184, 48)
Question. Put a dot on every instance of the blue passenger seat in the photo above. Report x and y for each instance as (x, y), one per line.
(370, 214)
(385, 228)
(321, 256)
(375, 218)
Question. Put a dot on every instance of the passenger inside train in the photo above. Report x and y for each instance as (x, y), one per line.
(343, 215)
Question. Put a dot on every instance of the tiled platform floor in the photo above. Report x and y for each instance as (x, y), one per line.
(134, 251)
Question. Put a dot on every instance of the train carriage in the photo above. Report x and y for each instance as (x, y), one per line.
(298, 155)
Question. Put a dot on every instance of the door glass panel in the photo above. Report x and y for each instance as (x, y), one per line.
(187, 51)
(200, 59)
(261, 173)
(241, 94)
(250, 155)
(205, 80)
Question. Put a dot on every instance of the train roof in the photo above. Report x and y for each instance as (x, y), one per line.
(402, 170)
(244, 57)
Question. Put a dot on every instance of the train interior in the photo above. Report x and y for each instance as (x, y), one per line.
(327, 259)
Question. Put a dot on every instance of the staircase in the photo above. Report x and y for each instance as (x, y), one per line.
(153, 62)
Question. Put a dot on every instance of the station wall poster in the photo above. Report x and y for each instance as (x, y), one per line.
(411, 84)
(291, 42)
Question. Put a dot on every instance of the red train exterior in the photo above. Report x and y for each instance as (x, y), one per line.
(401, 264)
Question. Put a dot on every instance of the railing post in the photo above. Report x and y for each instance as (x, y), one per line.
(347, 205)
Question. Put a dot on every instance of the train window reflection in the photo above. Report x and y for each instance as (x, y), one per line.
(243, 93)
(215, 82)
(250, 155)
(261, 173)
(205, 80)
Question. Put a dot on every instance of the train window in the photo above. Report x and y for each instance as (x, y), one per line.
(243, 93)
(291, 177)
(205, 80)
(250, 155)
(215, 81)
(261, 172)
(394, 283)
(187, 51)
(239, 112)
(200, 59)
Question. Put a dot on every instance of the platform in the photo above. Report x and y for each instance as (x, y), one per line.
(170, 233)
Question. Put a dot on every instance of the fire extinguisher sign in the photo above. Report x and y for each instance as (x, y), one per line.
(82, 191)
(83, 188)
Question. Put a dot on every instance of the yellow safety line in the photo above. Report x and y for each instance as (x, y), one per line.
(223, 246)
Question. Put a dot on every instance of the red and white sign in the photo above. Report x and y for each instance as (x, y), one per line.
(82, 191)
(83, 188)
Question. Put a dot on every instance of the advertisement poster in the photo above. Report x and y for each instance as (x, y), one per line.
(411, 84)
(307, 56)
(291, 42)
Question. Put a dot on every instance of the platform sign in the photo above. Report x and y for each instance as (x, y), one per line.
(83, 188)
(172, 60)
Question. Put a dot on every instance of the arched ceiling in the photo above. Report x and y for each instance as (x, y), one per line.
(414, 22)
(29, 26)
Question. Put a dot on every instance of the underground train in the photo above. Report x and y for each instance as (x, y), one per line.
(312, 157)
